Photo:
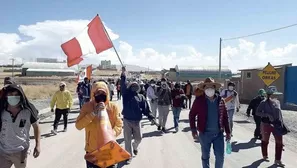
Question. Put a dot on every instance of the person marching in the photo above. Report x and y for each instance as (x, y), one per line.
(253, 106)
(134, 106)
(86, 90)
(212, 122)
(272, 122)
(86, 119)
(63, 101)
(152, 98)
(178, 97)
(189, 93)
(232, 102)
(17, 115)
(164, 102)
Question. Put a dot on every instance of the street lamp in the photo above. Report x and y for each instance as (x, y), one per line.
(12, 65)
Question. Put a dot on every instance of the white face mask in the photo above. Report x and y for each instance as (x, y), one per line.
(231, 88)
(209, 92)
(13, 100)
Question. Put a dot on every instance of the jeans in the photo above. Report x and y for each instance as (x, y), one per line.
(217, 140)
(176, 113)
(132, 129)
(58, 115)
(81, 102)
(230, 114)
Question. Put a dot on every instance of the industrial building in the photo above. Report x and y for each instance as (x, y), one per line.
(47, 69)
(250, 83)
(197, 74)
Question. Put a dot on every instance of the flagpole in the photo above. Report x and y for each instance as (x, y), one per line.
(112, 44)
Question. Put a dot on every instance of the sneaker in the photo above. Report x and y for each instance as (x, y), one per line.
(55, 132)
(176, 129)
(65, 130)
(128, 161)
(279, 163)
(164, 130)
(135, 151)
(159, 128)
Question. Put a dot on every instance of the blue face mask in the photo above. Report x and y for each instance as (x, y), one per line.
(13, 100)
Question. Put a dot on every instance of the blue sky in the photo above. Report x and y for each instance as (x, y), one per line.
(156, 23)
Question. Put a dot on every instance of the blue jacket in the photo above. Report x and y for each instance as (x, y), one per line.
(134, 104)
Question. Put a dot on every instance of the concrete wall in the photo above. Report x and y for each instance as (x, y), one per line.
(250, 87)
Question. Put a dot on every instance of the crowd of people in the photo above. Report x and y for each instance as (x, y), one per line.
(210, 116)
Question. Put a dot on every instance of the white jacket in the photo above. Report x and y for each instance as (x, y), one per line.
(150, 93)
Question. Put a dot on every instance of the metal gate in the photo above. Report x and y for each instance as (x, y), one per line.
(291, 86)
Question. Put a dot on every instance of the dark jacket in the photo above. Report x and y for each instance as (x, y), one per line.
(199, 109)
(134, 104)
(24, 102)
(254, 105)
(179, 101)
(164, 96)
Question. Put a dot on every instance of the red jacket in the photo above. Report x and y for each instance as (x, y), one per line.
(199, 109)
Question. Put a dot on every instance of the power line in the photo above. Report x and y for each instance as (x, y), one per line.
(264, 32)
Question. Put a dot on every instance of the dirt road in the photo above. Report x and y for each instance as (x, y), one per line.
(157, 150)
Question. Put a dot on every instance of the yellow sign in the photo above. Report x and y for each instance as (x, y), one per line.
(269, 74)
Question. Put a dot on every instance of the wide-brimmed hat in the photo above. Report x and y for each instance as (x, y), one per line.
(209, 82)
(272, 90)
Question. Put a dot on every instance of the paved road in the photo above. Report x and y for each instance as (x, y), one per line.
(66, 150)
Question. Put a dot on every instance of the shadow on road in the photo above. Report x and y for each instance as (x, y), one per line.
(184, 121)
(236, 147)
(186, 129)
(255, 164)
(152, 134)
(71, 120)
(46, 135)
(242, 122)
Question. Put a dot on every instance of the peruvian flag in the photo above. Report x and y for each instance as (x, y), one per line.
(87, 72)
(92, 40)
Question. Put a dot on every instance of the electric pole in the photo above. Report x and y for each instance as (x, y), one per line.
(12, 64)
(220, 60)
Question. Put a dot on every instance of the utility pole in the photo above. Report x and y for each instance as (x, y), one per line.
(12, 63)
(220, 60)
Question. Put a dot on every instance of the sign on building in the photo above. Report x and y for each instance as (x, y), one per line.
(269, 75)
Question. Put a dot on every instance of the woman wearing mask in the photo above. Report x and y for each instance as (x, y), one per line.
(272, 122)
(99, 104)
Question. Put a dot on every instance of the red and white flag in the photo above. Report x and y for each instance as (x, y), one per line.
(87, 72)
(92, 40)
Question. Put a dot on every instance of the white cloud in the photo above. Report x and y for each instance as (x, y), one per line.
(43, 39)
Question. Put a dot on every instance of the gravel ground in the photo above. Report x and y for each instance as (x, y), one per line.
(290, 118)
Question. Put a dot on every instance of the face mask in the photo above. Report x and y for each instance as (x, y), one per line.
(100, 98)
(230, 87)
(153, 84)
(163, 83)
(209, 92)
(13, 100)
